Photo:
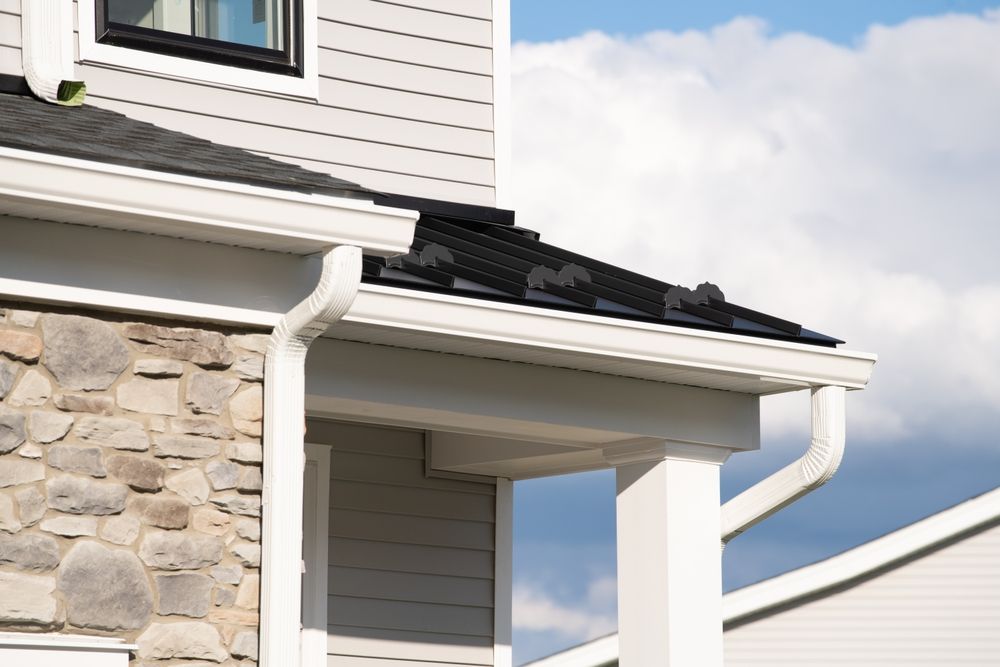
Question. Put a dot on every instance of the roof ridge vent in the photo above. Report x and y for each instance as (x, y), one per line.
(700, 295)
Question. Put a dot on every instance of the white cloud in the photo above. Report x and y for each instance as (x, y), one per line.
(535, 610)
(853, 189)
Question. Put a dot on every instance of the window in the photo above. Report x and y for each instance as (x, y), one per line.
(263, 35)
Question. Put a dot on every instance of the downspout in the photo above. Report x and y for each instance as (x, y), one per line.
(797, 479)
(47, 51)
(284, 452)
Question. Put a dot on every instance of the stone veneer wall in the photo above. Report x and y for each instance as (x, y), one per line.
(130, 484)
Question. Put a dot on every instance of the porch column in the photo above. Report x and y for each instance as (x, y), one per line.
(669, 554)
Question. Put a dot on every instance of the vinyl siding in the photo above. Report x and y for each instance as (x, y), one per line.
(10, 37)
(410, 556)
(941, 609)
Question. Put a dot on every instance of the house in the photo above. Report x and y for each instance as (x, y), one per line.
(925, 593)
(194, 196)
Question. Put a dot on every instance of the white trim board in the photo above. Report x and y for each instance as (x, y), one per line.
(315, 559)
(503, 574)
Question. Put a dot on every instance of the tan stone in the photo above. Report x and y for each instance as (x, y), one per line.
(120, 529)
(190, 485)
(158, 397)
(248, 594)
(169, 513)
(70, 526)
(247, 410)
(20, 346)
(236, 616)
(211, 521)
(33, 390)
(98, 405)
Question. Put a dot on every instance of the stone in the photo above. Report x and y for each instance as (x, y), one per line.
(46, 427)
(113, 432)
(76, 495)
(244, 645)
(248, 529)
(9, 521)
(184, 446)
(166, 550)
(20, 346)
(8, 373)
(224, 597)
(222, 474)
(157, 424)
(82, 353)
(158, 397)
(247, 554)
(158, 368)
(86, 460)
(207, 393)
(227, 574)
(120, 529)
(250, 480)
(26, 601)
(207, 349)
(207, 428)
(247, 410)
(12, 432)
(14, 472)
(32, 505)
(234, 616)
(23, 318)
(139, 473)
(190, 485)
(29, 552)
(245, 452)
(34, 389)
(169, 513)
(98, 405)
(104, 589)
(211, 521)
(250, 367)
(248, 595)
(30, 451)
(70, 526)
(185, 594)
(250, 342)
(236, 504)
(188, 639)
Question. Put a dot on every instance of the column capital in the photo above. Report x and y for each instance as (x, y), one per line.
(642, 450)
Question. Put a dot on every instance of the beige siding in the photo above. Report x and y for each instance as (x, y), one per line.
(941, 609)
(411, 557)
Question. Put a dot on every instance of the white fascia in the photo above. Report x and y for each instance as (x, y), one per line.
(600, 652)
(103, 195)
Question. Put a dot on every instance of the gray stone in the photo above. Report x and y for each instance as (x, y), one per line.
(70, 526)
(190, 485)
(75, 495)
(204, 348)
(166, 550)
(190, 639)
(185, 594)
(208, 428)
(139, 473)
(98, 405)
(251, 342)
(23, 318)
(9, 522)
(20, 346)
(32, 504)
(248, 529)
(247, 410)
(46, 427)
(105, 589)
(169, 513)
(247, 554)
(8, 373)
(113, 432)
(158, 397)
(12, 432)
(245, 452)
(30, 451)
(207, 393)
(34, 389)
(120, 529)
(244, 645)
(236, 504)
(82, 353)
(26, 601)
(250, 480)
(211, 521)
(184, 446)
(224, 597)
(16, 471)
(222, 474)
(158, 368)
(250, 367)
(248, 595)
(86, 460)
(227, 574)
(29, 552)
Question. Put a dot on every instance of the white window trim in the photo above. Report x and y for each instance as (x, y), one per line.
(315, 522)
(91, 52)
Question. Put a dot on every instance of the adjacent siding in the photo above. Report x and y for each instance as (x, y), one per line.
(10, 37)
(941, 609)
(411, 557)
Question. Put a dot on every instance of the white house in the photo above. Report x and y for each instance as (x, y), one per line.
(928, 593)
(193, 195)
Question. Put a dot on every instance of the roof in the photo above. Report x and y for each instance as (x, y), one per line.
(827, 576)
(91, 133)
(478, 252)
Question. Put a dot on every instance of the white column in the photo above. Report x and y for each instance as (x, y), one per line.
(669, 557)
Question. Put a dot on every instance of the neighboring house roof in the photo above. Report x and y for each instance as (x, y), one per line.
(846, 569)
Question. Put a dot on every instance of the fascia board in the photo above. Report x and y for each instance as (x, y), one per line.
(595, 653)
(154, 202)
(591, 336)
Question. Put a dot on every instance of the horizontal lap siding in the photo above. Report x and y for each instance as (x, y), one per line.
(411, 557)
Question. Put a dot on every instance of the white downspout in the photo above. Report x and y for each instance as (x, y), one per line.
(795, 480)
(47, 51)
(284, 452)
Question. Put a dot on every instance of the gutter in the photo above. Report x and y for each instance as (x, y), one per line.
(813, 470)
(47, 51)
(284, 452)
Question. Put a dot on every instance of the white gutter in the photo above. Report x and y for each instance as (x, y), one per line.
(284, 452)
(47, 51)
(795, 480)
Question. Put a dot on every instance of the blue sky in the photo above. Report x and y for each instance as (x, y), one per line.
(843, 176)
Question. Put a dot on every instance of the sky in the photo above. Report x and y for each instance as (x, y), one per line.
(836, 164)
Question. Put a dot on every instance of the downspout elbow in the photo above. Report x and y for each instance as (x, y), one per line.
(46, 51)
